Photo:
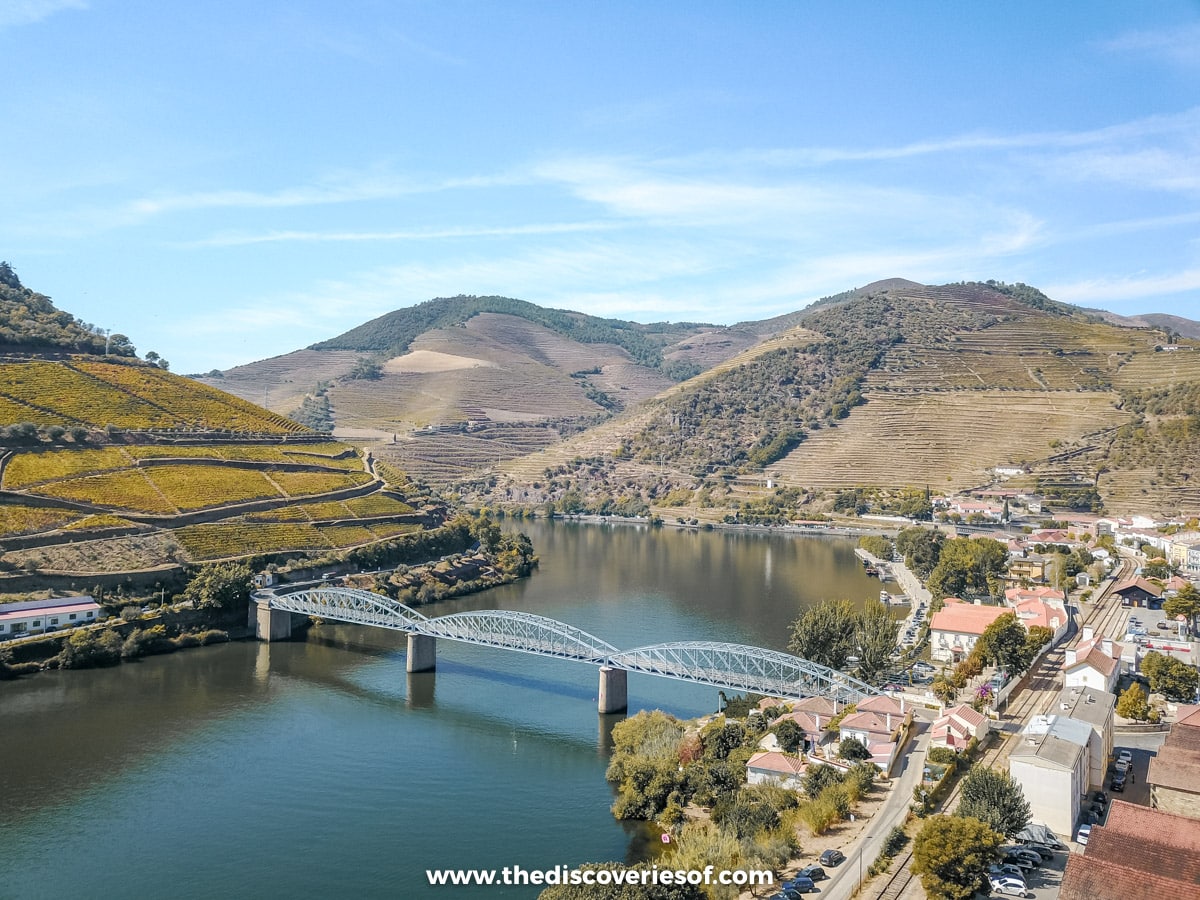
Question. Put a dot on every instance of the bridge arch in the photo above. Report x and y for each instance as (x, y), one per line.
(743, 668)
(520, 631)
(346, 605)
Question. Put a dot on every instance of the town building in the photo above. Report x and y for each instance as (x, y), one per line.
(41, 616)
(1095, 662)
(1052, 771)
(957, 727)
(1096, 709)
(1139, 592)
(1174, 775)
(1028, 568)
(1042, 606)
(774, 767)
(1137, 854)
(956, 627)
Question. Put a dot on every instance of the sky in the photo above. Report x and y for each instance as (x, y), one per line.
(224, 182)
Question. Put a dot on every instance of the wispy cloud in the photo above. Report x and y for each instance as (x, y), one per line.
(320, 237)
(1179, 45)
(27, 12)
(1133, 287)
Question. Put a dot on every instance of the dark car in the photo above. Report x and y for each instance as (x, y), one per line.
(1163, 625)
(801, 884)
(1100, 797)
(1118, 783)
(832, 857)
(816, 873)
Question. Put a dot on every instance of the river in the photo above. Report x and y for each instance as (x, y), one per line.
(318, 768)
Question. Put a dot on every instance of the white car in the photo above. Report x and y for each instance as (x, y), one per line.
(1007, 884)
(1125, 756)
(1085, 831)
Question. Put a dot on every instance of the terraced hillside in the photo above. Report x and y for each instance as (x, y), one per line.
(483, 361)
(110, 467)
(901, 384)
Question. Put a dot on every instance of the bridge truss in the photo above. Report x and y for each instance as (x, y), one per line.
(735, 666)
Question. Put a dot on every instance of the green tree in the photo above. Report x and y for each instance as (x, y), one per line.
(951, 855)
(1185, 603)
(969, 566)
(1004, 643)
(944, 689)
(921, 548)
(853, 749)
(789, 735)
(818, 777)
(366, 368)
(1132, 703)
(875, 637)
(994, 798)
(1171, 677)
(220, 586)
(645, 764)
(824, 633)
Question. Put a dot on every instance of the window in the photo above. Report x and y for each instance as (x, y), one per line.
(54, 621)
(89, 614)
(37, 623)
(1, 626)
(72, 617)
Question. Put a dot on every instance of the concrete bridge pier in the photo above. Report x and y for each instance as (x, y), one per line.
(422, 653)
(614, 690)
(271, 624)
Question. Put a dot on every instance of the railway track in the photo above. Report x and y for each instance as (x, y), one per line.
(1033, 699)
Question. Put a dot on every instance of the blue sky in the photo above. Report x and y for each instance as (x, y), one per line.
(224, 182)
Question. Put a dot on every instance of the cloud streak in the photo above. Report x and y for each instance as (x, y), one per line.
(28, 12)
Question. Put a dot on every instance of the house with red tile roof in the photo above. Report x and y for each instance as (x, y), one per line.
(774, 767)
(1042, 606)
(812, 724)
(1174, 775)
(1137, 854)
(1095, 662)
(955, 628)
(957, 726)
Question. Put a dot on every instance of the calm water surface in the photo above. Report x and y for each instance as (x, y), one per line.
(318, 768)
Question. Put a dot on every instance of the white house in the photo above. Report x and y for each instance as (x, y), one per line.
(954, 629)
(1095, 662)
(1051, 772)
(1039, 606)
(40, 616)
(773, 767)
(1096, 710)
(957, 726)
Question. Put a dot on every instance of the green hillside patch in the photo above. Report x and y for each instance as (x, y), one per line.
(32, 467)
(200, 487)
(230, 539)
(17, 519)
(127, 490)
(304, 484)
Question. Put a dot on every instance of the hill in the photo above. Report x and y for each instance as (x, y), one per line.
(114, 470)
(901, 385)
(895, 386)
(488, 379)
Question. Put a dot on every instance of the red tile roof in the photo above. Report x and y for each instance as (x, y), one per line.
(1149, 587)
(869, 722)
(1138, 854)
(882, 704)
(779, 763)
(965, 618)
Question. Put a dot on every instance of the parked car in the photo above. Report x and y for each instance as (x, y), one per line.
(816, 873)
(1125, 756)
(1123, 766)
(1085, 831)
(1021, 862)
(1100, 797)
(1163, 625)
(1045, 854)
(1007, 884)
(1025, 859)
(832, 857)
(998, 870)
(801, 884)
(1117, 785)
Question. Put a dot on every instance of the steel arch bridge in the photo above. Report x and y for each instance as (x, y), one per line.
(734, 666)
